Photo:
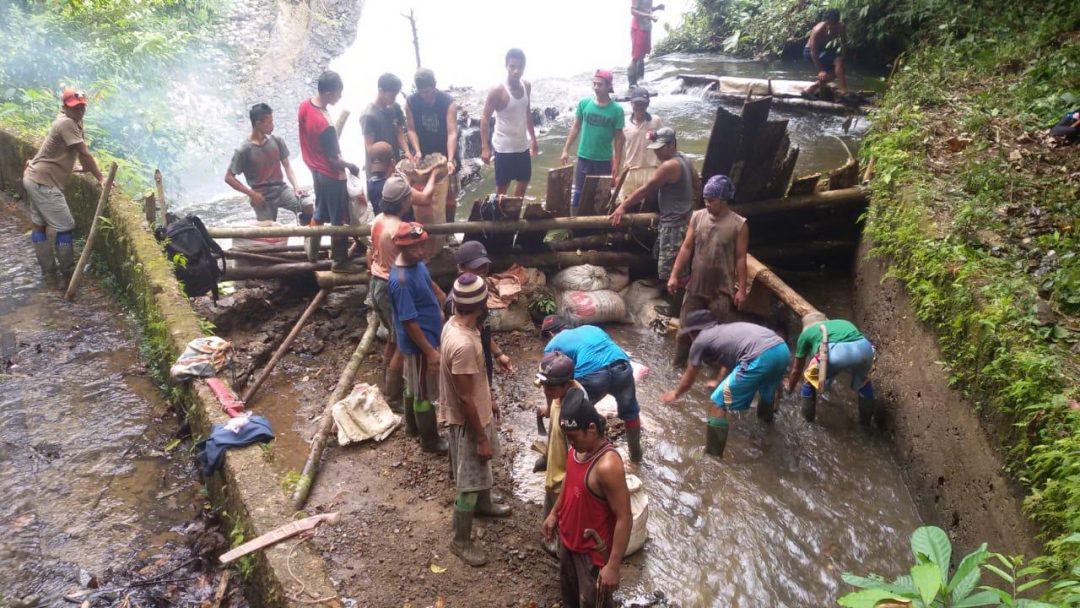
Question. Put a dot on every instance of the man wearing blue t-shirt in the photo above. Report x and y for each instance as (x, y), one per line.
(601, 368)
(417, 302)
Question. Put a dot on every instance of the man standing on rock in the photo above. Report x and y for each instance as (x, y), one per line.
(418, 323)
(752, 360)
(601, 367)
(471, 413)
(319, 147)
(640, 37)
(592, 514)
(827, 347)
(431, 121)
(716, 243)
(514, 140)
(673, 181)
(600, 121)
(44, 180)
(383, 120)
(260, 159)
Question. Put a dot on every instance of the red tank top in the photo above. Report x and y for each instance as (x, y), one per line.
(580, 508)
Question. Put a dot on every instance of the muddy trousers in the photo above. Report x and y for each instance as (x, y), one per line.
(577, 580)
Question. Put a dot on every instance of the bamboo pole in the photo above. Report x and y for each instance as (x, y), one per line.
(252, 388)
(277, 271)
(257, 257)
(84, 258)
(823, 200)
(161, 205)
(326, 423)
(484, 227)
(775, 284)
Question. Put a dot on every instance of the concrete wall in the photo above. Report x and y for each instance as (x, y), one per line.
(246, 488)
(949, 454)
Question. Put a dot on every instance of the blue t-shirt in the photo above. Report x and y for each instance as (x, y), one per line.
(590, 348)
(414, 300)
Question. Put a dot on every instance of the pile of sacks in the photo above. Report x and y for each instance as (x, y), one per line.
(590, 294)
(508, 307)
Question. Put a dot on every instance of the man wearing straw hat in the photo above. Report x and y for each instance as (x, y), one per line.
(827, 347)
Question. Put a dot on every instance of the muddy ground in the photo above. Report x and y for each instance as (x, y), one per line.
(392, 546)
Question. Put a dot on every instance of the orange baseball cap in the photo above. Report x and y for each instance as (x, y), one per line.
(72, 98)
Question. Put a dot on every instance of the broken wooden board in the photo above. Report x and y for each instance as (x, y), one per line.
(595, 194)
(725, 142)
(806, 184)
(560, 181)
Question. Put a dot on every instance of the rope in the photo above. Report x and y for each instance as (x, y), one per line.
(303, 586)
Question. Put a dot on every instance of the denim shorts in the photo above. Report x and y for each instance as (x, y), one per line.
(762, 374)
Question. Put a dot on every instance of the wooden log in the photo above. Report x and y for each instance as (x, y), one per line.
(256, 257)
(597, 241)
(276, 249)
(768, 279)
(326, 423)
(150, 209)
(162, 207)
(560, 181)
(84, 258)
(252, 388)
(832, 199)
(559, 223)
(278, 271)
(798, 103)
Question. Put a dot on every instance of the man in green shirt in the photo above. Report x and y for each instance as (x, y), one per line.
(825, 349)
(600, 121)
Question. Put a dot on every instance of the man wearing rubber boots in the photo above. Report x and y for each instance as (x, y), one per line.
(601, 367)
(418, 322)
(471, 414)
(44, 180)
(827, 347)
(556, 376)
(592, 513)
(752, 360)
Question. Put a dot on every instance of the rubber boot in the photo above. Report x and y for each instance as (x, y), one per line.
(867, 409)
(633, 443)
(631, 74)
(489, 508)
(673, 306)
(46, 259)
(395, 392)
(411, 428)
(551, 547)
(428, 426)
(339, 253)
(311, 248)
(462, 545)
(65, 259)
(540, 464)
(765, 412)
(808, 405)
(715, 439)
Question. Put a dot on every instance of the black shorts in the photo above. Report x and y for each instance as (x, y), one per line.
(512, 166)
(331, 200)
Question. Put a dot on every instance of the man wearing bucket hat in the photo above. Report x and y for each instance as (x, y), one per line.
(751, 360)
(601, 367)
(600, 121)
(716, 243)
(418, 323)
(673, 181)
(556, 377)
(44, 180)
(827, 347)
(592, 514)
(471, 413)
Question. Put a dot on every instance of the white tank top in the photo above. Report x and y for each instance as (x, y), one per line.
(511, 134)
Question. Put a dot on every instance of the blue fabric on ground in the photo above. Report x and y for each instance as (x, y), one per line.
(212, 451)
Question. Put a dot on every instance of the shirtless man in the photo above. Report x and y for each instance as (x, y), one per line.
(828, 60)
(514, 140)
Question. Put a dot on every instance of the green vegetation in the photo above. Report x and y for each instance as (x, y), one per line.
(128, 55)
(929, 584)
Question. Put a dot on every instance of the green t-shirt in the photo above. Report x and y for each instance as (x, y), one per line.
(598, 126)
(839, 331)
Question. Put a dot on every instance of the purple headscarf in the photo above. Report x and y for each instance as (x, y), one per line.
(719, 186)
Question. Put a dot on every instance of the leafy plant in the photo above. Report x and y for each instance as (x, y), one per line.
(931, 584)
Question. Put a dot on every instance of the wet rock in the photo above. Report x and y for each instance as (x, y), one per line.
(1044, 313)
(87, 580)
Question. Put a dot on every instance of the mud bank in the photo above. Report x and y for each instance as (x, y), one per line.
(246, 487)
(947, 451)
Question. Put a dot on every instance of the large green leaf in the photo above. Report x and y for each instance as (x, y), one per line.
(927, 579)
(931, 543)
(967, 574)
(982, 598)
(868, 598)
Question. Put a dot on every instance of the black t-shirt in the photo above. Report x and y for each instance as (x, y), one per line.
(430, 122)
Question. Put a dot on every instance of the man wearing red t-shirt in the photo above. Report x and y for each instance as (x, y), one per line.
(319, 147)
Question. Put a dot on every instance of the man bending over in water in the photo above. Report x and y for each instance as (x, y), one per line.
(821, 50)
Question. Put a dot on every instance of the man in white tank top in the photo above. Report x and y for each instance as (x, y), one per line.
(513, 143)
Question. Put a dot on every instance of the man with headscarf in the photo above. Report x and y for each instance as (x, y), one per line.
(751, 360)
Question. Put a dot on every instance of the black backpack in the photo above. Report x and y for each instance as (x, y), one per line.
(188, 237)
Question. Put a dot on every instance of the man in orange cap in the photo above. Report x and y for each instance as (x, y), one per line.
(44, 180)
(600, 121)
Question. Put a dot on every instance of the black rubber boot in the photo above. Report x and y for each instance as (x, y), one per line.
(462, 545)
(715, 440)
(633, 443)
(339, 253)
(488, 508)
(673, 306)
(411, 428)
(631, 74)
(428, 425)
(311, 248)
(540, 464)
(395, 391)
(766, 411)
(549, 504)
(808, 405)
(867, 409)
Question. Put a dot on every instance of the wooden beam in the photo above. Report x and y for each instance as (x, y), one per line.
(768, 279)
(822, 200)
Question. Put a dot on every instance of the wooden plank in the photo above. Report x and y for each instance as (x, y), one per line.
(725, 142)
(594, 195)
(559, 183)
(845, 177)
(781, 179)
(768, 142)
(804, 185)
(755, 114)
